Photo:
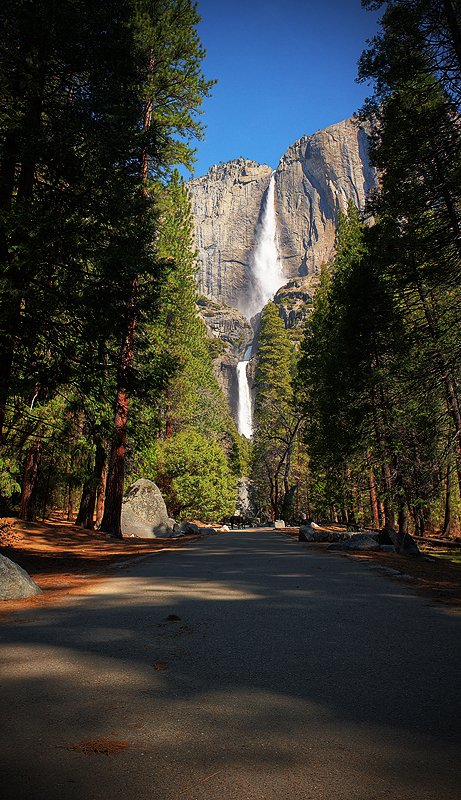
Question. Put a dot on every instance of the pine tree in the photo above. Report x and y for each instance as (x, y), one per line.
(276, 421)
(414, 64)
(172, 93)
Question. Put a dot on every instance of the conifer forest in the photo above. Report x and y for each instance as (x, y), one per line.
(106, 369)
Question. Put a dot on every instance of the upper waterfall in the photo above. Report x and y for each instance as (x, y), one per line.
(264, 280)
(265, 265)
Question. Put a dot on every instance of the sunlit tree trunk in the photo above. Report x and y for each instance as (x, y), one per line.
(30, 480)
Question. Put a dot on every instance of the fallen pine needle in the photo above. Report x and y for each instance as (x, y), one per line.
(101, 746)
(198, 784)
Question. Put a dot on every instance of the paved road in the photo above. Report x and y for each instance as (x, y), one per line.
(290, 674)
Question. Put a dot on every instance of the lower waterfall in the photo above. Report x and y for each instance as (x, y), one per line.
(244, 413)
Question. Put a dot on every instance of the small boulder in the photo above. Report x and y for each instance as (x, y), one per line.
(362, 541)
(15, 583)
(358, 541)
(306, 534)
(314, 533)
(189, 529)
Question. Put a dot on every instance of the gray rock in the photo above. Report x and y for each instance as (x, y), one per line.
(358, 541)
(15, 583)
(207, 531)
(403, 543)
(189, 529)
(361, 541)
(313, 533)
(144, 512)
(306, 534)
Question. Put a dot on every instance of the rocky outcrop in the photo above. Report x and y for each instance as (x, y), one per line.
(314, 180)
(226, 203)
(295, 302)
(226, 324)
(230, 334)
(403, 542)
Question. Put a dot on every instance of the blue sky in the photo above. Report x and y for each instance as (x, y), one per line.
(285, 68)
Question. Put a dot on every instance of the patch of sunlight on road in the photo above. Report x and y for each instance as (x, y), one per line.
(29, 662)
(149, 591)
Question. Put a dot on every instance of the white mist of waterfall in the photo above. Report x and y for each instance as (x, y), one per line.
(244, 412)
(265, 266)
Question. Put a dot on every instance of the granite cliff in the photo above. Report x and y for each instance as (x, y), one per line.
(314, 179)
(226, 204)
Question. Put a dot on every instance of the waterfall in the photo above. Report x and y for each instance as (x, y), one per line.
(265, 278)
(265, 265)
(244, 414)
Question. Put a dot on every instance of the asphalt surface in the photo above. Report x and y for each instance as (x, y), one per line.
(289, 674)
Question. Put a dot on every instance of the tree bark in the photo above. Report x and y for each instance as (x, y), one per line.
(30, 480)
(100, 494)
(447, 517)
(373, 497)
(85, 516)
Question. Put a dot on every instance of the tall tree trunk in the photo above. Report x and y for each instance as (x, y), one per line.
(85, 516)
(30, 480)
(373, 497)
(100, 493)
(403, 516)
(447, 517)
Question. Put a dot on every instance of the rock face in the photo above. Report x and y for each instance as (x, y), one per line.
(230, 334)
(15, 583)
(314, 179)
(226, 203)
(144, 512)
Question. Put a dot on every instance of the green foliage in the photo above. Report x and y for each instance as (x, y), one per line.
(276, 419)
(216, 347)
(9, 477)
(194, 476)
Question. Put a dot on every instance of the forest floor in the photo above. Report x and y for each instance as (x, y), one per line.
(61, 558)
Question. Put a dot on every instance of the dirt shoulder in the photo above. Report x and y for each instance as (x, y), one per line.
(429, 575)
(62, 558)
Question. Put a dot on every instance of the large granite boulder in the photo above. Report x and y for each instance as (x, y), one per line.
(15, 583)
(403, 543)
(144, 512)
